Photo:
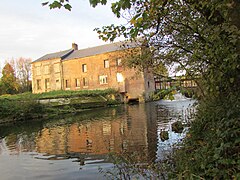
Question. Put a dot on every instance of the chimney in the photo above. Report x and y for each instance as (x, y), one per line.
(74, 46)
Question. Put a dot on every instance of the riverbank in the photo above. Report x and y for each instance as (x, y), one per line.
(28, 106)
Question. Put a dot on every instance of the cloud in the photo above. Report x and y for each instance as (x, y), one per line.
(30, 30)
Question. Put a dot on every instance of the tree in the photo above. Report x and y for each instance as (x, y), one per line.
(202, 38)
(9, 83)
(23, 71)
(199, 37)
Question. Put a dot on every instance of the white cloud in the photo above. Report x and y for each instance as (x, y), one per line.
(29, 30)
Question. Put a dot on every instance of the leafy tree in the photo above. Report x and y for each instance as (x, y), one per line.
(22, 71)
(202, 38)
(9, 83)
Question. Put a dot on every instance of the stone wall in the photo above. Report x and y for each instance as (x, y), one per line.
(46, 70)
(69, 75)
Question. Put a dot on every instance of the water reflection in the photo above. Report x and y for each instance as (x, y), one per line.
(126, 130)
(87, 138)
(169, 112)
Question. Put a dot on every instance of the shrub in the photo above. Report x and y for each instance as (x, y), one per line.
(212, 149)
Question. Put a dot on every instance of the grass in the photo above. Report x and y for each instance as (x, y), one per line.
(59, 94)
(26, 107)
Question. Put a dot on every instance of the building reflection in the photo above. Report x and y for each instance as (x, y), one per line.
(130, 132)
(130, 129)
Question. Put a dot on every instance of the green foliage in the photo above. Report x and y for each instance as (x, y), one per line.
(19, 110)
(61, 94)
(164, 94)
(58, 4)
(130, 165)
(189, 93)
(202, 38)
(160, 69)
(22, 107)
(169, 96)
(177, 127)
(164, 135)
(212, 147)
(83, 93)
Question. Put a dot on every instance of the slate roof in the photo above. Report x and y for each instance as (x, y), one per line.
(60, 54)
(99, 50)
(73, 54)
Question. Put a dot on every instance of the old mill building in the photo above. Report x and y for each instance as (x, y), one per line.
(89, 69)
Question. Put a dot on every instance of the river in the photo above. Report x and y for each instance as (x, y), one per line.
(76, 146)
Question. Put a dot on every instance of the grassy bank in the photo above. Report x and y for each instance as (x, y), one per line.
(28, 106)
(59, 94)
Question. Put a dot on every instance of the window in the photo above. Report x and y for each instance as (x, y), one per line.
(103, 79)
(106, 64)
(58, 84)
(56, 67)
(47, 84)
(77, 82)
(67, 83)
(38, 84)
(38, 70)
(187, 83)
(85, 82)
(119, 62)
(194, 84)
(46, 69)
(120, 77)
(84, 68)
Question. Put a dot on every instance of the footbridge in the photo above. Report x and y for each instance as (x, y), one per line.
(163, 82)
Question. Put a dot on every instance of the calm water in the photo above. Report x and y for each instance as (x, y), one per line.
(74, 147)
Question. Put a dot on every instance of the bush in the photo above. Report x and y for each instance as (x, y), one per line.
(212, 149)
(25, 106)
(17, 110)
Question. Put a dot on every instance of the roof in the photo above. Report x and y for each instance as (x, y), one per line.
(99, 50)
(74, 54)
(60, 54)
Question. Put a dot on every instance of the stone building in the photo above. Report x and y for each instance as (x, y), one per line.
(92, 68)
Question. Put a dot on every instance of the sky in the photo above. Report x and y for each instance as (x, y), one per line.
(29, 30)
